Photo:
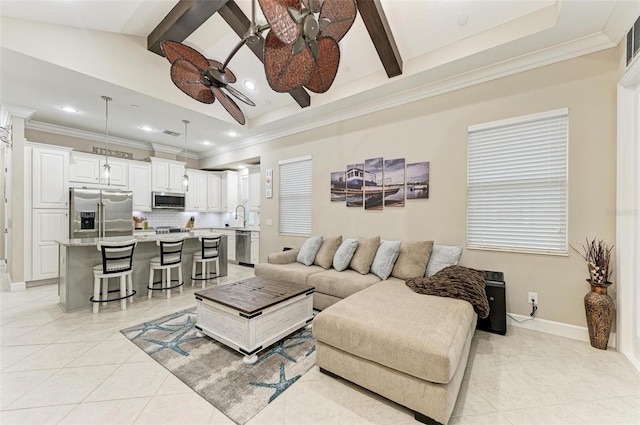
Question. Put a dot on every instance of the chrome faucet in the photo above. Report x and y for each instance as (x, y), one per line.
(244, 215)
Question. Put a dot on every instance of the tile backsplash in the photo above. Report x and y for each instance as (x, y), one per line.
(202, 219)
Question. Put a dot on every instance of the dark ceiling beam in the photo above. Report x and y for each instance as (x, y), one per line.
(239, 23)
(182, 21)
(376, 22)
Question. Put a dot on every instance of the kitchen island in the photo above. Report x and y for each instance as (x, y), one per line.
(77, 257)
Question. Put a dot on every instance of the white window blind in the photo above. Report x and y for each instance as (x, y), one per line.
(517, 180)
(295, 196)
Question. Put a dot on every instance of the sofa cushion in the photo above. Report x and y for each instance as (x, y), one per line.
(283, 257)
(364, 255)
(385, 258)
(292, 272)
(309, 250)
(413, 259)
(324, 257)
(341, 284)
(443, 256)
(344, 254)
(421, 335)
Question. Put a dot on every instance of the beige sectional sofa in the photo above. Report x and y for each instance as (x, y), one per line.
(379, 334)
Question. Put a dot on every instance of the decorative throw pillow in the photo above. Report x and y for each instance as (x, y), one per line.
(455, 282)
(309, 250)
(363, 258)
(443, 256)
(344, 254)
(324, 257)
(413, 259)
(385, 258)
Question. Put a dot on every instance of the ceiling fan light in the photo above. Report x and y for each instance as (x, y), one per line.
(250, 85)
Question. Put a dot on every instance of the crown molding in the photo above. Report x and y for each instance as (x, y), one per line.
(20, 112)
(89, 135)
(575, 48)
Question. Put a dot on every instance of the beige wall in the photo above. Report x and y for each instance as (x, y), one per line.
(435, 130)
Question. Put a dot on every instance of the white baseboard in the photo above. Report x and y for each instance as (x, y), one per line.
(566, 330)
(632, 360)
(18, 286)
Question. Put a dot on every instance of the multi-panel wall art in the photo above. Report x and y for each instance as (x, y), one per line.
(380, 183)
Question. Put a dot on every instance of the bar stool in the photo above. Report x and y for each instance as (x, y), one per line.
(170, 258)
(209, 251)
(117, 261)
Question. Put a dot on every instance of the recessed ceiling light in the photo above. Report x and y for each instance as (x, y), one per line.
(250, 85)
(232, 133)
(68, 109)
(133, 105)
(206, 142)
(146, 128)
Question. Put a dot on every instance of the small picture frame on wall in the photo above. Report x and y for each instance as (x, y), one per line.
(338, 187)
(355, 181)
(268, 183)
(418, 180)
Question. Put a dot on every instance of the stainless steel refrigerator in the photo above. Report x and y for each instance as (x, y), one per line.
(97, 213)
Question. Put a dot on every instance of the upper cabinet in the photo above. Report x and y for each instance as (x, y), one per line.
(229, 190)
(196, 199)
(254, 188)
(50, 178)
(213, 192)
(87, 168)
(166, 175)
(140, 184)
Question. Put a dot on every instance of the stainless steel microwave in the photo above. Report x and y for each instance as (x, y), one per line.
(166, 200)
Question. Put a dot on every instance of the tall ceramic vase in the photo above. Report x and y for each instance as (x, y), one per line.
(599, 309)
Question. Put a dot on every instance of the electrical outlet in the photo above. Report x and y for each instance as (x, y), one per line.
(532, 296)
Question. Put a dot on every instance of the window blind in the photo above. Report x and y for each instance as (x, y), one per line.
(295, 196)
(517, 184)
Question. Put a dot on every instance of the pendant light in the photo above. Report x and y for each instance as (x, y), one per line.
(185, 178)
(106, 168)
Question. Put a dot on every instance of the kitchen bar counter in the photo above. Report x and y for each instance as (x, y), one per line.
(77, 257)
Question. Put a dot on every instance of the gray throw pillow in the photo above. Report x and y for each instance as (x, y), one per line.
(363, 258)
(324, 257)
(413, 259)
(344, 254)
(309, 250)
(443, 256)
(386, 257)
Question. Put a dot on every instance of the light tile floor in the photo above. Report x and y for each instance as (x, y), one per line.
(76, 368)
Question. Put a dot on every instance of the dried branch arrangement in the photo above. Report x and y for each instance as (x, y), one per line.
(597, 254)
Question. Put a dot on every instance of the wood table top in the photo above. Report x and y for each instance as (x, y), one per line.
(253, 295)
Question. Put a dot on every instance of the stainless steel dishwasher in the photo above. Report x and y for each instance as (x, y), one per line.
(243, 246)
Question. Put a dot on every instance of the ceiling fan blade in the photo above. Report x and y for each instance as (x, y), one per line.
(174, 51)
(228, 104)
(239, 95)
(186, 76)
(284, 70)
(227, 72)
(326, 66)
(281, 21)
(341, 14)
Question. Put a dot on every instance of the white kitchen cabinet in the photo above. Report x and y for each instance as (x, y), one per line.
(196, 196)
(254, 188)
(140, 185)
(87, 168)
(166, 175)
(49, 226)
(231, 244)
(213, 192)
(50, 172)
(255, 247)
(229, 190)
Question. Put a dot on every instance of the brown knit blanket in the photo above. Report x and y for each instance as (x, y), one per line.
(455, 282)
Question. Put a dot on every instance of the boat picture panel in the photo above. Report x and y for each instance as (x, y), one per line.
(355, 182)
(373, 184)
(338, 186)
(394, 182)
(418, 180)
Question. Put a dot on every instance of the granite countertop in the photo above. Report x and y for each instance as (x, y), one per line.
(140, 238)
(248, 228)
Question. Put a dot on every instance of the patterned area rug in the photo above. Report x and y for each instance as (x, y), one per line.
(217, 372)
